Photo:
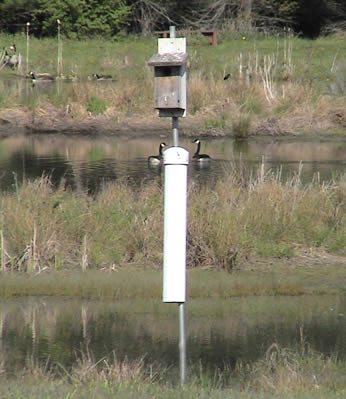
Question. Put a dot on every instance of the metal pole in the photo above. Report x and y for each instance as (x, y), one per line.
(59, 48)
(172, 32)
(27, 47)
(175, 122)
(175, 130)
(182, 343)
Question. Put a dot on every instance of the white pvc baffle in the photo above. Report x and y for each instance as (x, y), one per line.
(176, 160)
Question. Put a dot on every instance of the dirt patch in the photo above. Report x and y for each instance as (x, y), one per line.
(315, 263)
(306, 258)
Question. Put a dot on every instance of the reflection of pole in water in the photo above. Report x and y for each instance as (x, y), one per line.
(2, 331)
(2, 325)
(30, 320)
(77, 176)
(84, 313)
(23, 165)
(240, 146)
(34, 327)
(2, 248)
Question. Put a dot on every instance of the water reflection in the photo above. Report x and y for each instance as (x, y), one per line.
(61, 329)
(87, 163)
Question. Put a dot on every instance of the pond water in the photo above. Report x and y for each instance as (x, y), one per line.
(87, 163)
(220, 332)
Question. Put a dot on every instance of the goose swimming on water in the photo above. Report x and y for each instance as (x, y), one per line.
(197, 156)
(155, 160)
(41, 77)
(102, 77)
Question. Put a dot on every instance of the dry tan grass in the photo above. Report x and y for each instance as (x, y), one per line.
(107, 370)
(283, 370)
(240, 217)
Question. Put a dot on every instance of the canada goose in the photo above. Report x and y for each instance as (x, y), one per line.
(11, 61)
(102, 77)
(41, 77)
(197, 156)
(154, 160)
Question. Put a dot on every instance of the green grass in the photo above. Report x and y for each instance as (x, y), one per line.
(269, 279)
(215, 123)
(96, 105)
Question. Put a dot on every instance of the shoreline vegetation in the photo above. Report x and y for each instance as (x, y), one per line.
(285, 227)
(281, 373)
(277, 85)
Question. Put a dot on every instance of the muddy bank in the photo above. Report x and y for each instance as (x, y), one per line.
(53, 121)
(50, 120)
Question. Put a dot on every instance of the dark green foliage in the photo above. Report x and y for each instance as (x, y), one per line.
(81, 18)
(90, 18)
(78, 18)
(14, 14)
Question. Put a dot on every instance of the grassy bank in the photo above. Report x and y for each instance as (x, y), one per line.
(277, 85)
(240, 221)
(142, 282)
(280, 374)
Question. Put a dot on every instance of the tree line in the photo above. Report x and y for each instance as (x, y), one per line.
(107, 18)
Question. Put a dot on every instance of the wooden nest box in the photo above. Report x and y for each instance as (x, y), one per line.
(170, 77)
